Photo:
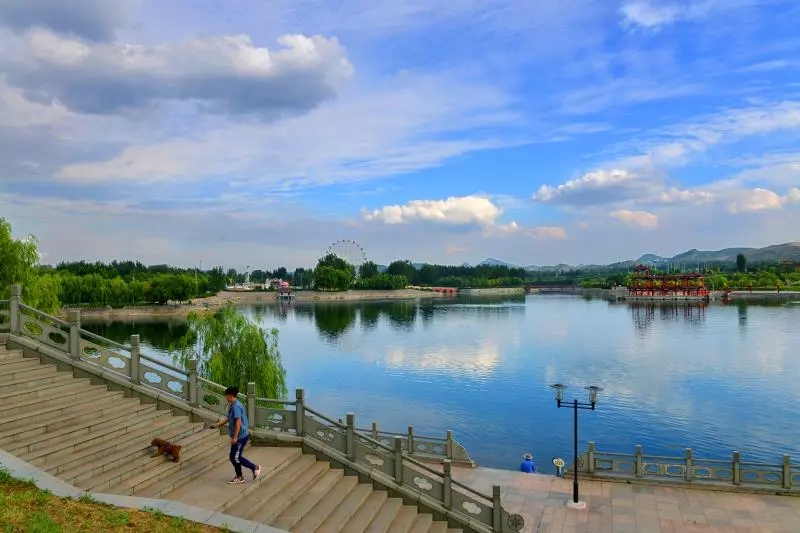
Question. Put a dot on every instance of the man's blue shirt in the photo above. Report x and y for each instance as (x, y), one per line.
(236, 410)
(528, 466)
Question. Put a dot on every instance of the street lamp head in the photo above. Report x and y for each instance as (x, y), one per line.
(559, 388)
(593, 390)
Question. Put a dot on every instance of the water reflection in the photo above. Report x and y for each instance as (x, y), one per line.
(644, 314)
(158, 332)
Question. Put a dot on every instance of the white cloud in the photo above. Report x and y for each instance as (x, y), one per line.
(456, 211)
(546, 232)
(641, 219)
(226, 73)
(648, 14)
(758, 199)
(596, 187)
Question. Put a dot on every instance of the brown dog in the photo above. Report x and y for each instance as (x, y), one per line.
(168, 448)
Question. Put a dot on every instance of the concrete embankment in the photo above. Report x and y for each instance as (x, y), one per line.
(491, 291)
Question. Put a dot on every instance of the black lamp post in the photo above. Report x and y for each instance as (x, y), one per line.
(575, 405)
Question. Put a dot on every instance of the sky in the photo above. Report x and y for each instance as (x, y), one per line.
(238, 133)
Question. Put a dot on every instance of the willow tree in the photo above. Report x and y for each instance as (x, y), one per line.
(19, 264)
(232, 350)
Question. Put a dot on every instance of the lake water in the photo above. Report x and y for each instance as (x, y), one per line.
(716, 379)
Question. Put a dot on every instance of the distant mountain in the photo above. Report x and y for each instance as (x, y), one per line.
(495, 262)
(651, 258)
(789, 251)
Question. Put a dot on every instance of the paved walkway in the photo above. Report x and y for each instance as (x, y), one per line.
(623, 508)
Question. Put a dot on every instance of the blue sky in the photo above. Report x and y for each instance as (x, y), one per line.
(257, 133)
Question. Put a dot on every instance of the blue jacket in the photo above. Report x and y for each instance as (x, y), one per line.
(528, 466)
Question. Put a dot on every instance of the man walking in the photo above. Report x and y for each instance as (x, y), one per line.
(238, 430)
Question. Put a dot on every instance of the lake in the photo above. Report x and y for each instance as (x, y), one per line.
(716, 378)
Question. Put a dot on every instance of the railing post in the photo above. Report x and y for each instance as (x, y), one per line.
(75, 334)
(497, 510)
(590, 457)
(251, 403)
(350, 436)
(737, 468)
(13, 309)
(448, 487)
(449, 444)
(299, 410)
(639, 466)
(787, 472)
(398, 459)
(689, 468)
(410, 441)
(193, 396)
(375, 432)
(134, 359)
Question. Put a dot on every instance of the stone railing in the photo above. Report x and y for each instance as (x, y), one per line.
(384, 457)
(423, 447)
(4, 316)
(748, 475)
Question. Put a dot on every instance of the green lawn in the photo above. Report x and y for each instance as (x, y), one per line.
(26, 508)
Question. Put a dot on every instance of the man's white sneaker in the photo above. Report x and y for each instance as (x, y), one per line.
(256, 472)
(236, 480)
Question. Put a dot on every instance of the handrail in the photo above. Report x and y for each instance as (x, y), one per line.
(691, 469)
(441, 440)
(45, 315)
(325, 418)
(103, 340)
(166, 366)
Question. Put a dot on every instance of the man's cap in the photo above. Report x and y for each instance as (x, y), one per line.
(527, 456)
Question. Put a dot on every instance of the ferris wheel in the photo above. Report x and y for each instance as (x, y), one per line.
(350, 251)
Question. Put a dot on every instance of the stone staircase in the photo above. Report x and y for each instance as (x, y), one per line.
(98, 440)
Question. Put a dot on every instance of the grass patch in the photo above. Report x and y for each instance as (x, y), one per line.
(26, 508)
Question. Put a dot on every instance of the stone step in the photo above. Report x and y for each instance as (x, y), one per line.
(364, 515)
(123, 438)
(421, 523)
(270, 467)
(58, 411)
(385, 516)
(116, 476)
(12, 364)
(273, 507)
(404, 520)
(10, 354)
(135, 453)
(212, 492)
(345, 511)
(28, 373)
(47, 392)
(307, 500)
(277, 483)
(67, 397)
(22, 385)
(77, 415)
(128, 482)
(193, 469)
(312, 520)
(34, 439)
(206, 454)
(438, 527)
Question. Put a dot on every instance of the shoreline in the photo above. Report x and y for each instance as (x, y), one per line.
(237, 298)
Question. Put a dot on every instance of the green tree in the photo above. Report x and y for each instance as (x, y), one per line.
(232, 350)
(401, 268)
(330, 278)
(368, 270)
(741, 263)
(19, 264)
(334, 261)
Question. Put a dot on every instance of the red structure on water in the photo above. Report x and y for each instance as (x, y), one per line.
(647, 284)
